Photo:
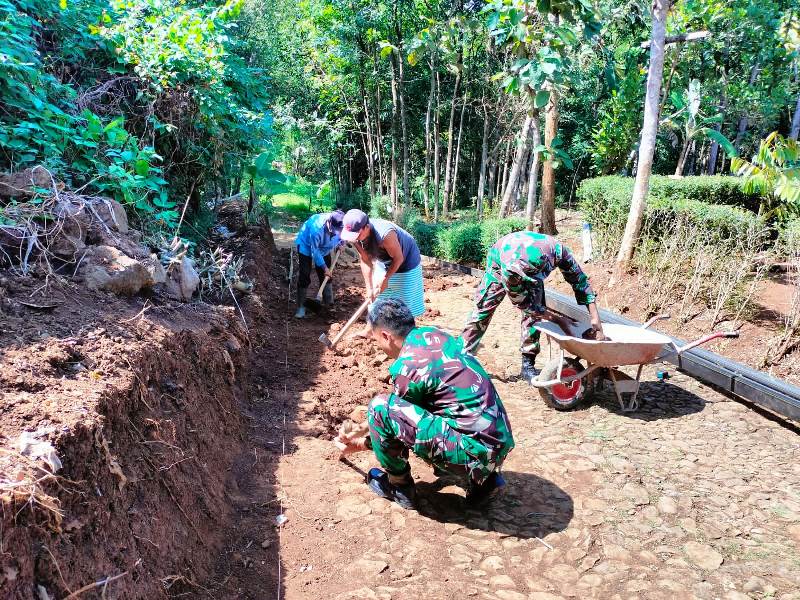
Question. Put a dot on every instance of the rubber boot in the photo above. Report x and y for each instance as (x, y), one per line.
(301, 301)
(528, 371)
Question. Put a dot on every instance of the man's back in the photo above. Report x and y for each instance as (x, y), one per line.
(435, 373)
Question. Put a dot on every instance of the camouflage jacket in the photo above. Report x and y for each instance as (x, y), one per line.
(434, 373)
(522, 260)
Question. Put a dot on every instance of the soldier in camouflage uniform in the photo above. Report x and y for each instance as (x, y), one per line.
(517, 265)
(444, 408)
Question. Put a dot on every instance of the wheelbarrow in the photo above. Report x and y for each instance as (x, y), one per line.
(565, 382)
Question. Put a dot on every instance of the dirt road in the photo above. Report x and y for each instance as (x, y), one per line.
(694, 496)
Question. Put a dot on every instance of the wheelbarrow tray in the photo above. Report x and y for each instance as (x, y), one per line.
(626, 345)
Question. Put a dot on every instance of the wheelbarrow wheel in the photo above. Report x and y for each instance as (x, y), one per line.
(563, 396)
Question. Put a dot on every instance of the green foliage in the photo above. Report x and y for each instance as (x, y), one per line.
(711, 204)
(149, 79)
(619, 117)
(774, 172)
(461, 243)
(541, 45)
(464, 241)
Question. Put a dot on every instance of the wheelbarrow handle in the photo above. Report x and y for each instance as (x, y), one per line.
(655, 318)
(707, 338)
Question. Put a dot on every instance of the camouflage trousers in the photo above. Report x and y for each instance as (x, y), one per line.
(488, 297)
(397, 427)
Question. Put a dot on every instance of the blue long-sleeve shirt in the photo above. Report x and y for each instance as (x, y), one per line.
(315, 240)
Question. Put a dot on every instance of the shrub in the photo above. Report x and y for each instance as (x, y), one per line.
(706, 202)
(493, 229)
(461, 243)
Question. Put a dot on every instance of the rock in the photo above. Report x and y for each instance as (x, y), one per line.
(734, 595)
(794, 531)
(353, 508)
(360, 594)
(510, 595)
(667, 505)
(614, 552)
(637, 493)
(703, 555)
(106, 268)
(158, 274)
(492, 563)
(266, 544)
(754, 584)
(22, 183)
(365, 566)
(461, 554)
(182, 280)
(562, 574)
(502, 581)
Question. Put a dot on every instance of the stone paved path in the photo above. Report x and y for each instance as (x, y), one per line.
(695, 496)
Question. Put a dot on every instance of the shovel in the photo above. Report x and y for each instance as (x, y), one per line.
(315, 304)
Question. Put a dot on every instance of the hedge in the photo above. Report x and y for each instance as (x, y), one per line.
(605, 203)
(462, 241)
(717, 189)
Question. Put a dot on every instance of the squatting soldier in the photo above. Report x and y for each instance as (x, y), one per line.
(517, 265)
(444, 408)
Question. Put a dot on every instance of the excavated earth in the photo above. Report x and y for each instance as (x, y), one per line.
(198, 463)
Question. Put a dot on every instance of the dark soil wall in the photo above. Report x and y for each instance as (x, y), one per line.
(144, 412)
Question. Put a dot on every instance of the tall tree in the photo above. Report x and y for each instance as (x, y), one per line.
(647, 145)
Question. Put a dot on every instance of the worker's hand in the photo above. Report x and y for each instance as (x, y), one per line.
(328, 273)
(597, 326)
(352, 438)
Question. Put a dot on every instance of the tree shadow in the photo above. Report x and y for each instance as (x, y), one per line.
(530, 507)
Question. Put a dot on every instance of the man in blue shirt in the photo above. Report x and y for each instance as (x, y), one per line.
(318, 236)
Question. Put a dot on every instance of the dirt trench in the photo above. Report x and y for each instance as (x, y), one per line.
(143, 401)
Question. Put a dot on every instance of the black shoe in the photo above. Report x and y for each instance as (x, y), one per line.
(404, 494)
(480, 495)
(528, 371)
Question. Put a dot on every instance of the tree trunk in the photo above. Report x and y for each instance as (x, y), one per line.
(403, 129)
(795, 130)
(449, 159)
(516, 167)
(548, 172)
(427, 180)
(682, 158)
(457, 157)
(533, 173)
(647, 146)
(395, 119)
(744, 121)
(436, 157)
(714, 152)
(378, 132)
(484, 156)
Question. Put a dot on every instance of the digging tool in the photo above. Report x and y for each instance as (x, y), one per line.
(315, 304)
(332, 343)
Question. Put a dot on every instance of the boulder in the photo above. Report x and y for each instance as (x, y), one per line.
(107, 268)
(22, 184)
(182, 280)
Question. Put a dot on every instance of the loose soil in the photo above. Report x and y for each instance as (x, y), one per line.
(695, 495)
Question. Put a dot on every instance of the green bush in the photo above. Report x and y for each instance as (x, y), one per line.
(461, 243)
(712, 204)
(464, 241)
(717, 189)
(493, 229)
(788, 243)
